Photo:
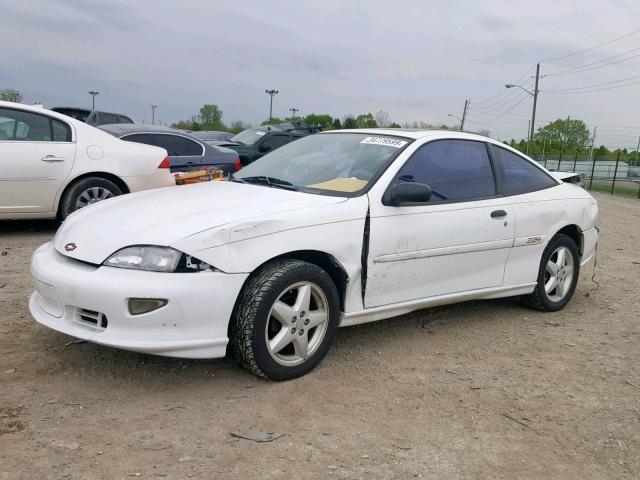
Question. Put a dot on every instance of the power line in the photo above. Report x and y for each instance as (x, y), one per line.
(594, 90)
(507, 111)
(592, 86)
(576, 70)
(553, 59)
(503, 92)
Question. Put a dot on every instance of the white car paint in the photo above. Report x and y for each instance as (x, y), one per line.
(417, 256)
(35, 174)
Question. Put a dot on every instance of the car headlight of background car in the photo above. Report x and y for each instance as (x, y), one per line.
(156, 259)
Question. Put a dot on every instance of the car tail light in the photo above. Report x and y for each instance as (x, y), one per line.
(238, 164)
(165, 163)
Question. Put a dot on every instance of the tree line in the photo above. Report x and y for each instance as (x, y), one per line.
(566, 137)
(569, 137)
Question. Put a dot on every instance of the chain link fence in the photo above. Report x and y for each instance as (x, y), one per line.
(600, 174)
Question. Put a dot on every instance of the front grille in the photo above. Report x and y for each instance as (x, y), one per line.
(92, 318)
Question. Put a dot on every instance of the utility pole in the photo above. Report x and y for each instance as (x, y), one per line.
(635, 163)
(535, 103)
(93, 98)
(593, 165)
(528, 136)
(153, 114)
(464, 114)
(293, 112)
(271, 94)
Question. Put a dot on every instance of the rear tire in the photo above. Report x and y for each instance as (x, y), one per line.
(557, 276)
(285, 319)
(85, 192)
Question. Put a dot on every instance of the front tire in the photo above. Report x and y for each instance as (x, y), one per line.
(557, 276)
(85, 192)
(285, 319)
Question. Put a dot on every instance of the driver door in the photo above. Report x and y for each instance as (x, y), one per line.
(457, 241)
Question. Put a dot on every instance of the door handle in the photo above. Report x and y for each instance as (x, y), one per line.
(52, 158)
(498, 214)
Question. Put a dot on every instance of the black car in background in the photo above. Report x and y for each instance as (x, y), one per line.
(92, 117)
(186, 152)
(253, 143)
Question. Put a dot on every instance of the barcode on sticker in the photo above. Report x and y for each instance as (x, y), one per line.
(386, 142)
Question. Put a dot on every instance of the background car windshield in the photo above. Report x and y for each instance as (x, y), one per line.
(249, 137)
(337, 162)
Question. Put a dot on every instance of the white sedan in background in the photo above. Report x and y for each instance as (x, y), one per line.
(52, 165)
(334, 229)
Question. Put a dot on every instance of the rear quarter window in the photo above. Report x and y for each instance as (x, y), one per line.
(518, 174)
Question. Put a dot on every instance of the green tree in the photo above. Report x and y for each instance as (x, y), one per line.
(211, 117)
(366, 120)
(395, 125)
(273, 121)
(565, 135)
(238, 126)
(9, 95)
(336, 124)
(324, 120)
(349, 122)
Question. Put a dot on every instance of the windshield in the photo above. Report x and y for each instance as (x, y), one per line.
(249, 137)
(331, 162)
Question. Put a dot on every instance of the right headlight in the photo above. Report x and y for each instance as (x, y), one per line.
(155, 259)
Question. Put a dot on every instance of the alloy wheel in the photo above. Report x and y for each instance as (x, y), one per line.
(558, 274)
(297, 323)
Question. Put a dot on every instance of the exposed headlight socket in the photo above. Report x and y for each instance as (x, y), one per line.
(138, 306)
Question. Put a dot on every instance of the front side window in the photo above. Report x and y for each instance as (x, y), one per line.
(520, 175)
(326, 163)
(31, 127)
(456, 170)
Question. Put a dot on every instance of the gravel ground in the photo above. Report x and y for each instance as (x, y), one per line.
(476, 390)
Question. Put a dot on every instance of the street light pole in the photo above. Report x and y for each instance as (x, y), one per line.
(293, 112)
(271, 94)
(153, 114)
(93, 98)
(534, 94)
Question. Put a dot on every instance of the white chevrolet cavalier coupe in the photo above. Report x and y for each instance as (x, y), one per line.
(334, 229)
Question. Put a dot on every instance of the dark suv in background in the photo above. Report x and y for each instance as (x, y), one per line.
(253, 143)
(92, 117)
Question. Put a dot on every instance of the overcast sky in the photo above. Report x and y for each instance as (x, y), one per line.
(416, 59)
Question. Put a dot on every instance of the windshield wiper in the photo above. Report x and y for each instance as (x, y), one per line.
(269, 181)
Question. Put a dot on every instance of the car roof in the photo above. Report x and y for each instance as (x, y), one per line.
(119, 129)
(415, 133)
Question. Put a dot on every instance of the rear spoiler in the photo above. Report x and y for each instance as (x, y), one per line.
(568, 177)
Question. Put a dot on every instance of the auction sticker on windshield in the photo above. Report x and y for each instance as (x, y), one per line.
(386, 142)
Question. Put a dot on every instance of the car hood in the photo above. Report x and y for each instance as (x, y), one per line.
(167, 215)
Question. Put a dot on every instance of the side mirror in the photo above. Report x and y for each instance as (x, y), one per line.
(266, 147)
(404, 193)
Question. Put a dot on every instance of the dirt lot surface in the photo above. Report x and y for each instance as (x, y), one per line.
(476, 390)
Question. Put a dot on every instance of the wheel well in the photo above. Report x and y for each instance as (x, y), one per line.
(107, 176)
(575, 233)
(326, 262)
